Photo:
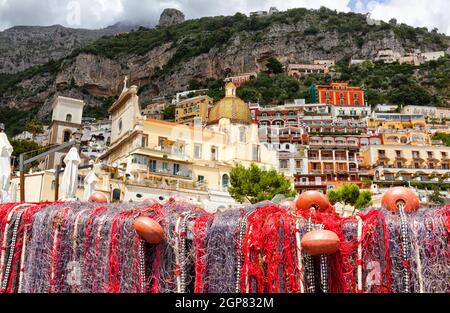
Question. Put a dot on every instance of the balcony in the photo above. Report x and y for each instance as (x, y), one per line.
(166, 172)
(310, 183)
(166, 185)
(166, 152)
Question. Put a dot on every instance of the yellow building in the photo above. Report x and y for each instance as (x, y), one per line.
(158, 159)
(406, 162)
(187, 110)
(405, 137)
(394, 121)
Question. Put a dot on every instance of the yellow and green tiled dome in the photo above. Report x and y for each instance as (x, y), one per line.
(231, 107)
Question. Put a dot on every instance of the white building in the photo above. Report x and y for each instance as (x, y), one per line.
(328, 63)
(387, 56)
(356, 61)
(432, 56)
(66, 120)
(350, 111)
(385, 108)
(431, 112)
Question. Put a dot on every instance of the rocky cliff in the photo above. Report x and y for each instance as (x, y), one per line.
(170, 17)
(163, 61)
(22, 47)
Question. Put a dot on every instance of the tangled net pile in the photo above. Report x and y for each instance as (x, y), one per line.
(76, 247)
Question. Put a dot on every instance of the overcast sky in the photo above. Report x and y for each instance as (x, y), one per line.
(102, 13)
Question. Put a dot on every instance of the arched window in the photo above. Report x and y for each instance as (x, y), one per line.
(225, 180)
(69, 118)
(66, 135)
(120, 125)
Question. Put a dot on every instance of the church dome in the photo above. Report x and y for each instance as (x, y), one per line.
(231, 107)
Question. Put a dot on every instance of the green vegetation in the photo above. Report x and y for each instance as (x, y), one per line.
(436, 197)
(270, 89)
(100, 111)
(14, 120)
(350, 194)
(9, 80)
(427, 84)
(25, 146)
(274, 66)
(34, 126)
(254, 184)
(442, 136)
(169, 112)
(385, 83)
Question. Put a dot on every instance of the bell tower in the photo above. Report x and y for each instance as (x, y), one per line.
(125, 113)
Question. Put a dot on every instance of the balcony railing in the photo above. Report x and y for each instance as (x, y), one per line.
(310, 183)
(168, 172)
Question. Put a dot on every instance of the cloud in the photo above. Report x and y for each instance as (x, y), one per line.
(430, 13)
(102, 13)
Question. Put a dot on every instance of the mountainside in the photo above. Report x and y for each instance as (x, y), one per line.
(22, 47)
(165, 60)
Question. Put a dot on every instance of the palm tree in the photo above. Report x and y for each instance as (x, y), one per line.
(34, 126)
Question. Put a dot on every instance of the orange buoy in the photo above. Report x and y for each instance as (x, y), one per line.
(312, 199)
(317, 242)
(149, 229)
(98, 197)
(396, 196)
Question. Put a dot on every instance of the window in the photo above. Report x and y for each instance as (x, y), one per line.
(66, 136)
(176, 169)
(214, 152)
(165, 167)
(116, 195)
(152, 165)
(284, 164)
(144, 140)
(139, 159)
(197, 151)
(225, 181)
(120, 125)
(264, 115)
(201, 179)
(161, 141)
(398, 153)
(298, 164)
(256, 153)
(69, 118)
(242, 138)
(291, 114)
(278, 115)
(399, 164)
